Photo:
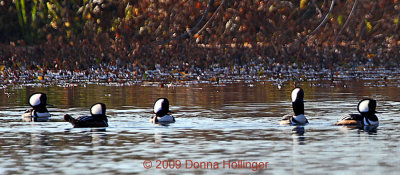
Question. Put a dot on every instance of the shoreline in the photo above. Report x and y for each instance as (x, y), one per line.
(163, 77)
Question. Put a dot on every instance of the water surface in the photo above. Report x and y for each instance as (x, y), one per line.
(215, 123)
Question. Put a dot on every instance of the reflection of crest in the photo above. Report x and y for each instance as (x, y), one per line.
(99, 136)
(158, 137)
(39, 141)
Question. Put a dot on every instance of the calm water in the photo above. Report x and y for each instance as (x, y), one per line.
(215, 123)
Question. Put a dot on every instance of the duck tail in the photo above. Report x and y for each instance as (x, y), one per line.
(69, 118)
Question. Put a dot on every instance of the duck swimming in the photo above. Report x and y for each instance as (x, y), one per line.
(38, 112)
(161, 110)
(97, 118)
(367, 116)
(298, 117)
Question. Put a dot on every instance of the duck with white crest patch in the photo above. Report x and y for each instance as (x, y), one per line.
(162, 112)
(97, 118)
(38, 112)
(298, 117)
(367, 116)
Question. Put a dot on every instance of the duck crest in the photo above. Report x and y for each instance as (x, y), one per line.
(297, 101)
(161, 107)
(38, 101)
(161, 110)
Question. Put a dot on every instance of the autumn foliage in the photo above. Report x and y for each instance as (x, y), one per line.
(60, 34)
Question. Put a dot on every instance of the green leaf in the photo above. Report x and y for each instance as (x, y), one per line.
(340, 20)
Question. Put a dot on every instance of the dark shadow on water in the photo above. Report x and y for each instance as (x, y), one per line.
(166, 124)
(91, 129)
(98, 130)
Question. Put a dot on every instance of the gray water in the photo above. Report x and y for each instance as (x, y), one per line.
(215, 123)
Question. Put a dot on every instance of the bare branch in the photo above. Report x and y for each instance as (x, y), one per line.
(212, 17)
(362, 28)
(190, 32)
(347, 20)
(317, 8)
(322, 23)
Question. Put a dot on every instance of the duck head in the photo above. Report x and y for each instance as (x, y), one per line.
(161, 107)
(38, 101)
(297, 101)
(367, 107)
(98, 110)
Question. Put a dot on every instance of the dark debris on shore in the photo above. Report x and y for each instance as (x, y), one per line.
(215, 74)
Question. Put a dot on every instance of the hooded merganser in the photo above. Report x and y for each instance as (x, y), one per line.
(298, 108)
(97, 118)
(367, 116)
(38, 112)
(161, 110)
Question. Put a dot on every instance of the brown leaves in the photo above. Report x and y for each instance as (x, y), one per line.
(242, 30)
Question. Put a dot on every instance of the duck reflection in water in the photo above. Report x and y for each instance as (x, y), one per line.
(158, 137)
(39, 142)
(298, 135)
(99, 136)
(95, 136)
(368, 129)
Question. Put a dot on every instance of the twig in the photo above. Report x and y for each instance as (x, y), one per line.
(347, 20)
(316, 7)
(361, 32)
(191, 31)
(212, 17)
(322, 23)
